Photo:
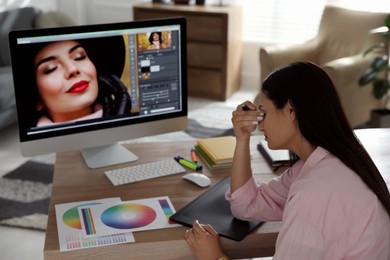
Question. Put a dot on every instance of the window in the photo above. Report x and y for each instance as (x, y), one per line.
(286, 21)
(280, 21)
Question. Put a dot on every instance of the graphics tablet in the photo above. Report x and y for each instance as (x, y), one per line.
(212, 208)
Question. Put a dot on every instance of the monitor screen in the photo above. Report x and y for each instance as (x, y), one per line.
(88, 87)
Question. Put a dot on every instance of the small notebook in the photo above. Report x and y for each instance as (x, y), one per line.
(212, 208)
(274, 158)
(210, 163)
(219, 149)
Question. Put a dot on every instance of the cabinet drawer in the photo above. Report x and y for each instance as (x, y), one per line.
(205, 83)
(205, 55)
(200, 27)
(206, 28)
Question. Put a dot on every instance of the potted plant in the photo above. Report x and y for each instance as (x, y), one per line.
(379, 76)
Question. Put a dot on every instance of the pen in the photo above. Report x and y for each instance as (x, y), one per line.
(193, 155)
(189, 164)
(245, 108)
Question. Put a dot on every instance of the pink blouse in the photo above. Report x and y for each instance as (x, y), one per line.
(327, 211)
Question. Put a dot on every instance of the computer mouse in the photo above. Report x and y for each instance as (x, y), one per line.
(199, 179)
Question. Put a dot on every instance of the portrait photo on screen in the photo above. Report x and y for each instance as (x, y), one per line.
(154, 40)
(76, 80)
(84, 87)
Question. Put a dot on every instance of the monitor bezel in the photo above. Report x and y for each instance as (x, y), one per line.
(174, 121)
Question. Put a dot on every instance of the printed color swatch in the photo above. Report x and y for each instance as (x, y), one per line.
(125, 216)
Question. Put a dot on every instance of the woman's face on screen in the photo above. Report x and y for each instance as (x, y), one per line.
(66, 80)
(156, 37)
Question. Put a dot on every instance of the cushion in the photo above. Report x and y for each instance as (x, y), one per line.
(14, 19)
(7, 98)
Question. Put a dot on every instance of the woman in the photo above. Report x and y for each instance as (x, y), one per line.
(333, 202)
(67, 83)
(155, 41)
(70, 87)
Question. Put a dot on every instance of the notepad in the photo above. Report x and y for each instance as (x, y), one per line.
(274, 158)
(212, 208)
(219, 149)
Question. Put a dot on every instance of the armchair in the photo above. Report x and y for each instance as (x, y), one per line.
(342, 37)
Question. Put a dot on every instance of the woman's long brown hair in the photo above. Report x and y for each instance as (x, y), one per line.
(322, 121)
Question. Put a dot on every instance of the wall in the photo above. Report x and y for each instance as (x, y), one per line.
(103, 11)
(98, 11)
(250, 74)
(42, 4)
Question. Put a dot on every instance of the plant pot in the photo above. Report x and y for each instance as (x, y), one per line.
(380, 118)
(181, 2)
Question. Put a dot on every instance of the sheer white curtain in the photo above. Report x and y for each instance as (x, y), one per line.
(291, 21)
(280, 21)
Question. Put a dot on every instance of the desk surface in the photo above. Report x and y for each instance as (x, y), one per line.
(73, 181)
(376, 141)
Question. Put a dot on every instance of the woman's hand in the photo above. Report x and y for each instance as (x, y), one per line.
(245, 120)
(204, 241)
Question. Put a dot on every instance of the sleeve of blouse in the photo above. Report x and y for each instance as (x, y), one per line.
(263, 201)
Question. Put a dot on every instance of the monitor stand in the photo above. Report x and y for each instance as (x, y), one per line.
(102, 156)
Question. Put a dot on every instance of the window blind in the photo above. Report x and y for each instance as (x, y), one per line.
(292, 21)
(280, 21)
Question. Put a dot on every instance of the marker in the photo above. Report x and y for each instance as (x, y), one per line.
(187, 163)
(193, 156)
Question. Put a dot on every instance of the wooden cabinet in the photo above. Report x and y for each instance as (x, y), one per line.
(214, 45)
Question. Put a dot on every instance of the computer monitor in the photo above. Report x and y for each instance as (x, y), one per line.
(89, 87)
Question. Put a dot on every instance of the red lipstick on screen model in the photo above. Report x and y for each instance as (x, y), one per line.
(79, 87)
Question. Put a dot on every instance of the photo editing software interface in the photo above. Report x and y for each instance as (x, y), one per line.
(138, 77)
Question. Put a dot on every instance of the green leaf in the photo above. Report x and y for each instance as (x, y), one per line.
(386, 35)
(380, 88)
(387, 21)
(380, 63)
(368, 77)
(379, 70)
(372, 48)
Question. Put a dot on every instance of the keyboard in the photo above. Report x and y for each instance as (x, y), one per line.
(144, 171)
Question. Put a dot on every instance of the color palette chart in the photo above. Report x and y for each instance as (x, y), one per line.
(69, 226)
(167, 210)
(71, 216)
(88, 221)
(78, 242)
(127, 216)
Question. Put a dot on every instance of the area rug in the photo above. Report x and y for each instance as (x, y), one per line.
(197, 130)
(25, 192)
(25, 195)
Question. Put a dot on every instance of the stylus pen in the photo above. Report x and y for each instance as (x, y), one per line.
(193, 156)
(245, 108)
(189, 164)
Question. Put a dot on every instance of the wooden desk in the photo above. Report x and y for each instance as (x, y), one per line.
(377, 143)
(73, 181)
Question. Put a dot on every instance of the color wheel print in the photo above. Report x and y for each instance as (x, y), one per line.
(127, 216)
(72, 218)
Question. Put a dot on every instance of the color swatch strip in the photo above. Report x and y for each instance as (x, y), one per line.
(88, 221)
(167, 209)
